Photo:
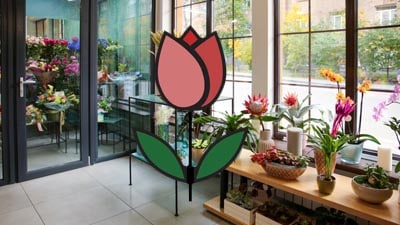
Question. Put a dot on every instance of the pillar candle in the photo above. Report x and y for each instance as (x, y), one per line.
(295, 140)
(385, 158)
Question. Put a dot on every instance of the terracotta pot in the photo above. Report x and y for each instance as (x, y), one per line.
(320, 161)
(197, 153)
(326, 186)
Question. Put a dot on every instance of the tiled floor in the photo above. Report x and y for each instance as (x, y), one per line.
(100, 195)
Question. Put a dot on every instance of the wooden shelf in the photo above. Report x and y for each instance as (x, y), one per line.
(343, 198)
(212, 205)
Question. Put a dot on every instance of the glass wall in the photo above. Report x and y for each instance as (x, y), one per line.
(232, 20)
(123, 70)
(312, 35)
(52, 83)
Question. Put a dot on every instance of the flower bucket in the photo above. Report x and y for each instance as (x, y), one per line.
(53, 115)
(44, 77)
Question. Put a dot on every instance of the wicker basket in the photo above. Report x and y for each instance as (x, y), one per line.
(283, 171)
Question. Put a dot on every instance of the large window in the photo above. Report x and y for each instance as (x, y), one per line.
(313, 34)
(232, 20)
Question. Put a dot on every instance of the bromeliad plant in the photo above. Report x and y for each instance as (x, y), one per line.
(294, 111)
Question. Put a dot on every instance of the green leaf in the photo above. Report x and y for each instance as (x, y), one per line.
(220, 154)
(161, 155)
(397, 169)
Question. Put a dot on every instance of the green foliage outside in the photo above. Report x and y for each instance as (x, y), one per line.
(379, 53)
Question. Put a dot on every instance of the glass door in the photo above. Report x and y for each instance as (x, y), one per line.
(123, 71)
(50, 90)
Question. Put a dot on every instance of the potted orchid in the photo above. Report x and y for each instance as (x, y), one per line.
(351, 154)
(393, 123)
(329, 141)
(257, 107)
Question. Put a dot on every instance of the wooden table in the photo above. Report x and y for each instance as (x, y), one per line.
(343, 198)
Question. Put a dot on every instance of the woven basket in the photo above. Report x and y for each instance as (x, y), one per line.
(283, 171)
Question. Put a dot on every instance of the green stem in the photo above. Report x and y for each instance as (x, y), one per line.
(262, 124)
(361, 108)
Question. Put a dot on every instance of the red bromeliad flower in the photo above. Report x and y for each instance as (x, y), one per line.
(291, 99)
(190, 70)
(343, 109)
(256, 106)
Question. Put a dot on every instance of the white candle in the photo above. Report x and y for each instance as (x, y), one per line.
(295, 140)
(385, 158)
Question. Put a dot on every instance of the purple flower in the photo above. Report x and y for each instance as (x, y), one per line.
(343, 109)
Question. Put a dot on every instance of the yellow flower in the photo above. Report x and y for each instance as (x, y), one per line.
(331, 76)
(364, 86)
(340, 96)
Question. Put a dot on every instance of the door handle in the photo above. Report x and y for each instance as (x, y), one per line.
(22, 82)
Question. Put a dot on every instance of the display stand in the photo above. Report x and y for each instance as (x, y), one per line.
(305, 186)
(179, 117)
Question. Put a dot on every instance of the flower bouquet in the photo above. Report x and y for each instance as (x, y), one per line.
(56, 100)
(34, 115)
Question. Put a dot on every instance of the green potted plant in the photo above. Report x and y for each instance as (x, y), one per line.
(239, 205)
(225, 125)
(329, 142)
(374, 186)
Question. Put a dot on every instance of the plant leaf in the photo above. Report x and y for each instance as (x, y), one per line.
(161, 155)
(220, 154)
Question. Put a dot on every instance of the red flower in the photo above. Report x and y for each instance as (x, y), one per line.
(291, 99)
(256, 105)
(190, 70)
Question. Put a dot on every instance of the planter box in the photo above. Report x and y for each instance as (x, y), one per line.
(263, 220)
(243, 215)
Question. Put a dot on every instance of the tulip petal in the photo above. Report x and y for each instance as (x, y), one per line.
(181, 76)
(190, 36)
(211, 53)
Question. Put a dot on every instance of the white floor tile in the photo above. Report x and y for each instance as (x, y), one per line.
(25, 216)
(12, 197)
(81, 208)
(58, 185)
(126, 218)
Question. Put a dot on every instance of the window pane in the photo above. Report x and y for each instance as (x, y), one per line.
(179, 3)
(222, 18)
(182, 21)
(328, 15)
(377, 128)
(379, 54)
(377, 14)
(199, 18)
(242, 18)
(294, 16)
(294, 56)
(328, 50)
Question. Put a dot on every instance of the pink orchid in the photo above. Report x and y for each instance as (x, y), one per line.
(343, 109)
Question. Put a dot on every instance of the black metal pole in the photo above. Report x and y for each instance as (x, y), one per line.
(190, 169)
(224, 188)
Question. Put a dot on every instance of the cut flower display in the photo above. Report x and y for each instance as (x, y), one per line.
(56, 100)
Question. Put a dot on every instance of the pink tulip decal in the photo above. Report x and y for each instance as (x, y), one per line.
(190, 70)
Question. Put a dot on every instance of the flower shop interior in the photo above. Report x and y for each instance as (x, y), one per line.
(309, 92)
